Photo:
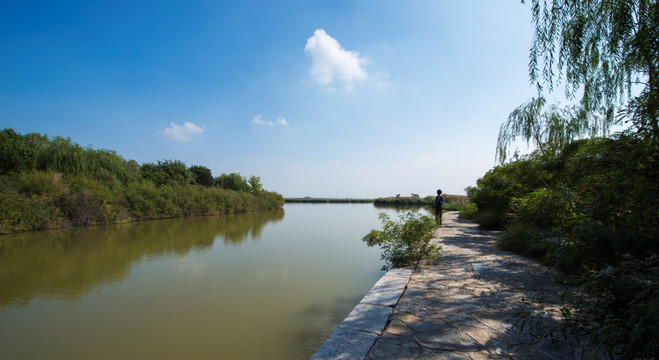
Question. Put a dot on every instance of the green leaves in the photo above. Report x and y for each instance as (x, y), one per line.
(548, 128)
(590, 209)
(404, 242)
(606, 51)
(56, 183)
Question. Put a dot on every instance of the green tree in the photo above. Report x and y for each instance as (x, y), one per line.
(18, 152)
(605, 50)
(167, 172)
(549, 128)
(255, 184)
(203, 175)
(232, 181)
(62, 155)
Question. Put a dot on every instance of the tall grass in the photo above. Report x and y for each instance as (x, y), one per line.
(57, 183)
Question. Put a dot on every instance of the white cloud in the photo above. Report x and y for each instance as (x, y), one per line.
(182, 133)
(281, 121)
(331, 61)
(258, 120)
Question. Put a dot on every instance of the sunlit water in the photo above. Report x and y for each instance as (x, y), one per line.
(270, 285)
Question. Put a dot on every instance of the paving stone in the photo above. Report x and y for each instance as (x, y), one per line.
(394, 348)
(346, 344)
(497, 321)
(368, 318)
(398, 327)
(468, 306)
(462, 319)
(405, 272)
(429, 354)
(447, 341)
(429, 325)
(386, 291)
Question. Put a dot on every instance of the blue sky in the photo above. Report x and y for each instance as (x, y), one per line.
(318, 98)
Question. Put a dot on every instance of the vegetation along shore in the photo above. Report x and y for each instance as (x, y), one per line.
(48, 183)
(310, 200)
(451, 202)
(585, 201)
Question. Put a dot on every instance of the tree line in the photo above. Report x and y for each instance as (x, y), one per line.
(451, 202)
(52, 183)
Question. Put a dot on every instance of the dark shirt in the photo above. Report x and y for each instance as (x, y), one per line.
(439, 202)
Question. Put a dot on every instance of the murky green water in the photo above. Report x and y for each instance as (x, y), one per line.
(268, 285)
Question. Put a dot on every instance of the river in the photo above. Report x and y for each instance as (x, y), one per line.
(267, 285)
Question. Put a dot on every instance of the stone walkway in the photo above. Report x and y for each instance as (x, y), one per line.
(469, 305)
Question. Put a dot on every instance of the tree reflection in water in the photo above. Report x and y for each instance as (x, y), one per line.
(67, 264)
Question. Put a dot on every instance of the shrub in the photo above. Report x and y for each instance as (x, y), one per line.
(404, 242)
(468, 211)
(589, 210)
(527, 240)
(496, 189)
(489, 219)
(17, 152)
(233, 181)
(623, 317)
(167, 172)
(39, 182)
(141, 198)
(21, 213)
(203, 175)
(83, 207)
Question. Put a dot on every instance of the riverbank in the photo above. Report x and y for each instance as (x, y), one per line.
(48, 200)
(55, 183)
(477, 302)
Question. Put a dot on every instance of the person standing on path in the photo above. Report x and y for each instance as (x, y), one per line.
(439, 206)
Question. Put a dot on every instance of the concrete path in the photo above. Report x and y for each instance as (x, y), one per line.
(469, 305)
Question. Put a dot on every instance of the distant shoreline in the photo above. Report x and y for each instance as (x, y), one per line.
(451, 202)
(311, 200)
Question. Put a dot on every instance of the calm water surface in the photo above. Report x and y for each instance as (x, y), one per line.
(270, 285)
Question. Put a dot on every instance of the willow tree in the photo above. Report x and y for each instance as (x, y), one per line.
(548, 127)
(605, 52)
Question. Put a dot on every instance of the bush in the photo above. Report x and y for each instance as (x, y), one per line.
(232, 181)
(468, 211)
(167, 172)
(21, 213)
(489, 219)
(18, 153)
(623, 317)
(600, 193)
(405, 242)
(590, 210)
(527, 240)
(203, 175)
(498, 187)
